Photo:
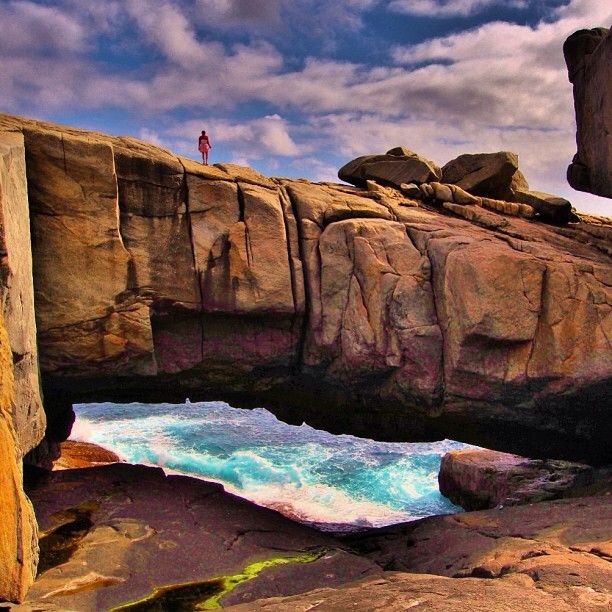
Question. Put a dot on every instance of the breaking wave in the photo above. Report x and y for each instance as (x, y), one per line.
(334, 482)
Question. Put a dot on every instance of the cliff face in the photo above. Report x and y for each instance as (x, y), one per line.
(22, 419)
(358, 311)
(588, 55)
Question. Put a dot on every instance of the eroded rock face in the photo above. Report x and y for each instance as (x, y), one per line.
(22, 420)
(588, 55)
(358, 310)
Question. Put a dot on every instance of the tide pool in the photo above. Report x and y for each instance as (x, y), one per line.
(333, 482)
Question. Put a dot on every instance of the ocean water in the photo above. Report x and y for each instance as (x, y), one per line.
(333, 482)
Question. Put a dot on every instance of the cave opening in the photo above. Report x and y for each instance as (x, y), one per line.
(338, 483)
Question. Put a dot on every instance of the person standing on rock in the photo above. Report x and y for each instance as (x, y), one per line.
(204, 147)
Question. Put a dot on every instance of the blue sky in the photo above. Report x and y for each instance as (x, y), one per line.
(299, 87)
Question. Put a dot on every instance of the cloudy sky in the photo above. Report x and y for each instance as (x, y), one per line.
(299, 87)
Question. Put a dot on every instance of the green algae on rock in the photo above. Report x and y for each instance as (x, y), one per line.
(207, 594)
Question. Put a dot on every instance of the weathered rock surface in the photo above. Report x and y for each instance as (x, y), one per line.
(549, 207)
(76, 454)
(477, 479)
(111, 535)
(22, 419)
(588, 55)
(561, 549)
(399, 165)
(359, 311)
(493, 175)
(399, 591)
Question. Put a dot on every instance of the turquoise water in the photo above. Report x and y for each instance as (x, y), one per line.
(307, 474)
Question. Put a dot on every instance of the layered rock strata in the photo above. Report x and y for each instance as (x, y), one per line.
(588, 55)
(22, 420)
(360, 311)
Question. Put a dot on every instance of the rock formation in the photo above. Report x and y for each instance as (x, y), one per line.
(588, 55)
(476, 479)
(558, 549)
(22, 420)
(360, 311)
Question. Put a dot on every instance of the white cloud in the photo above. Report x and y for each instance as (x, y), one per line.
(28, 26)
(254, 139)
(449, 8)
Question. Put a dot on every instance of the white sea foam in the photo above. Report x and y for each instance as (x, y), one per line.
(307, 474)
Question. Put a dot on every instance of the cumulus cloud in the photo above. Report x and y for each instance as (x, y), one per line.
(497, 86)
(29, 27)
(253, 139)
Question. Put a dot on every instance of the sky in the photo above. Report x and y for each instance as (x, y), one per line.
(299, 87)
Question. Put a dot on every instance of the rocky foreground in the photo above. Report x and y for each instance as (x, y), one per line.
(127, 537)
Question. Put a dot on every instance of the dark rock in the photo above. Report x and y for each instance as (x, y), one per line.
(477, 479)
(552, 208)
(115, 533)
(492, 175)
(588, 55)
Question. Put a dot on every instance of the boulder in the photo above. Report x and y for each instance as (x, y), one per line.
(493, 175)
(411, 190)
(588, 55)
(389, 169)
(548, 207)
(477, 479)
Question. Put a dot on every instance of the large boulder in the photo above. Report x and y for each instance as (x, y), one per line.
(548, 207)
(588, 55)
(493, 175)
(477, 479)
(398, 166)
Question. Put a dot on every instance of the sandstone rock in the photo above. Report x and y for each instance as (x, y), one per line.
(588, 55)
(18, 549)
(401, 151)
(390, 169)
(332, 295)
(515, 209)
(411, 190)
(17, 293)
(126, 530)
(477, 479)
(547, 206)
(559, 548)
(483, 174)
(397, 592)
(460, 196)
